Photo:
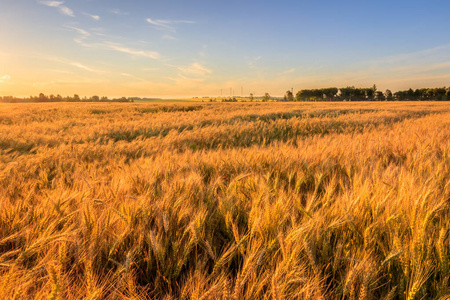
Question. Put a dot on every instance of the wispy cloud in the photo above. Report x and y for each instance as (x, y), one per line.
(59, 4)
(252, 61)
(72, 82)
(73, 64)
(434, 53)
(150, 69)
(79, 30)
(5, 78)
(94, 17)
(195, 69)
(143, 53)
(190, 75)
(288, 71)
(118, 12)
(132, 76)
(84, 35)
(84, 67)
(168, 37)
(168, 24)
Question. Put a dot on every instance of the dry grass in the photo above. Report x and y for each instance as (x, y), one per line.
(225, 201)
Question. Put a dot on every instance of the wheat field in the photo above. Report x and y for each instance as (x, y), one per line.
(225, 201)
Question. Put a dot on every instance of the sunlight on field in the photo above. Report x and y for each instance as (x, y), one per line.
(225, 201)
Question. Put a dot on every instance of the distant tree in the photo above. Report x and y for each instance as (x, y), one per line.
(95, 98)
(410, 94)
(401, 95)
(429, 94)
(266, 97)
(76, 98)
(42, 98)
(251, 97)
(347, 93)
(439, 93)
(379, 96)
(330, 93)
(289, 96)
(388, 95)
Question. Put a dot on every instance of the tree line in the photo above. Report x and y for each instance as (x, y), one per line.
(325, 94)
(368, 94)
(58, 98)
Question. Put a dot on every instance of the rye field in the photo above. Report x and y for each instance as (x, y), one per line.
(225, 201)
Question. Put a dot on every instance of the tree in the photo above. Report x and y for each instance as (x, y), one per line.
(251, 97)
(330, 93)
(379, 96)
(348, 93)
(76, 98)
(42, 98)
(410, 94)
(388, 95)
(266, 97)
(289, 96)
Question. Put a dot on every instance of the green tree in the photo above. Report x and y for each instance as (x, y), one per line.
(388, 95)
(289, 96)
(330, 93)
(379, 96)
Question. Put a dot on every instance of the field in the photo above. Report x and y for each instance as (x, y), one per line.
(225, 201)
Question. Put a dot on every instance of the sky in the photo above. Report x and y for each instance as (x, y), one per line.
(180, 48)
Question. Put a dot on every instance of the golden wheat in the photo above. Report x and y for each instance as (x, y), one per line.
(231, 200)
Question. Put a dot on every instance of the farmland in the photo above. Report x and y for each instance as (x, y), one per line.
(225, 200)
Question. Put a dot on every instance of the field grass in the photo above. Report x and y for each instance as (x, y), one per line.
(225, 201)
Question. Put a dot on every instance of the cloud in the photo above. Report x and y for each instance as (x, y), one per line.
(118, 12)
(190, 75)
(143, 53)
(94, 17)
(73, 63)
(73, 82)
(195, 69)
(79, 30)
(84, 67)
(168, 24)
(110, 46)
(440, 51)
(288, 71)
(59, 4)
(52, 3)
(252, 61)
(132, 76)
(5, 78)
(168, 37)
(150, 69)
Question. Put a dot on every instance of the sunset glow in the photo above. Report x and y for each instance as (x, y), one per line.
(205, 48)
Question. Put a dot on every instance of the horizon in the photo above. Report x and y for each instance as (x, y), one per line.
(183, 50)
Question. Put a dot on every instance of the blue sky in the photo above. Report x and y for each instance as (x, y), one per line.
(198, 48)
